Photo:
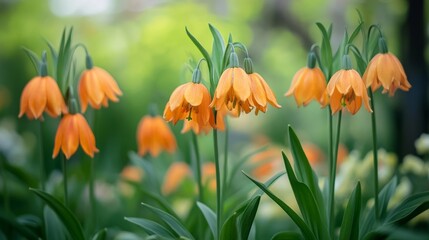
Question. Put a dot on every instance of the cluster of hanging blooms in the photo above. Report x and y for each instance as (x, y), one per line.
(238, 90)
(43, 94)
(346, 89)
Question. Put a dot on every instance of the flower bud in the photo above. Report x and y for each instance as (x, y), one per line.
(248, 65)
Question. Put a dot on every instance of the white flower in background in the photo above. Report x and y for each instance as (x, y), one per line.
(415, 165)
(422, 144)
(402, 190)
(12, 146)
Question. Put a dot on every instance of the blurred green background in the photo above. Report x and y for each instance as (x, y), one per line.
(143, 44)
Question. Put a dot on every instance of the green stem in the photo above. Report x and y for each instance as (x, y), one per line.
(375, 155)
(42, 158)
(225, 162)
(92, 193)
(333, 170)
(198, 168)
(218, 183)
(64, 165)
(5, 184)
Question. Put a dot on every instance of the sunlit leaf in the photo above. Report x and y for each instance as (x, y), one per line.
(307, 233)
(210, 217)
(217, 51)
(350, 225)
(68, 219)
(173, 222)
(229, 228)
(409, 208)
(204, 52)
(152, 227)
(326, 50)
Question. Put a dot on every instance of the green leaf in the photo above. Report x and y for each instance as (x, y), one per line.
(12, 224)
(152, 228)
(202, 50)
(338, 56)
(355, 32)
(350, 224)
(210, 217)
(151, 175)
(100, 235)
(53, 228)
(171, 221)
(34, 59)
(361, 64)
(326, 50)
(217, 51)
(287, 236)
(307, 233)
(248, 216)
(229, 228)
(308, 206)
(65, 215)
(25, 177)
(227, 53)
(409, 208)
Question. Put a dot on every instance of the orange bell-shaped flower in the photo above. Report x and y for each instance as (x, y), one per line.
(96, 87)
(309, 84)
(73, 131)
(42, 94)
(386, 70)
(154, 136)
(347, 89)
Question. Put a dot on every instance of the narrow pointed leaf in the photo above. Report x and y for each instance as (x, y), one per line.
(152, 228)
(350, 224)
(355, 32)
(171, 221)
(100, 235)
(310, 209)
(68, 219)
(203, 51)
(287, 236)
(217, 51)
(54, 230)
(409, 208)
(229, 228)
(246, 220)
(326, 50)
(227, 53)
(210, 217)
(306, 232)
(34, 59)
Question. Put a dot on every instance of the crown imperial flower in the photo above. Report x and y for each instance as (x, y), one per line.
(309, 84)
(96, 87)
(347, 89)
(72, 131)
(386, 70)
(42, 94)
(154, 135)
(190, 102)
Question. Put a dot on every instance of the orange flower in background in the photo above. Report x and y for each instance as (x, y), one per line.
(96, 87)
(72, 131)
(190, 102)
(209, 175)
(42, 94)
(233, 91)
(266, 163)
(309, 84)
(177, 172)
(347, 89)
(154, 135)
(132, 173)
(313, 153)
(386, 70)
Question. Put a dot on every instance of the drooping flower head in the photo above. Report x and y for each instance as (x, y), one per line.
(386, 70)
(234, 89)
(73, 131)
(42, 94)
(96, 87)
(309, 84)
(154, 136)
(261, 93)
(347, 89)
(190, 102)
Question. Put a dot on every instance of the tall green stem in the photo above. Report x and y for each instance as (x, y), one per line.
(198, 168)
(225, 162)
(92, 193)
(219, 204)
(42, 158)
(375, 155)
(64, 165)
(333, 170)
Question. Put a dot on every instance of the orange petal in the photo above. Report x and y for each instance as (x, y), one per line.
(55, 102)
(37, 98)
(86, 137)
(241, 84)
(70, 140)
(194, 94)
